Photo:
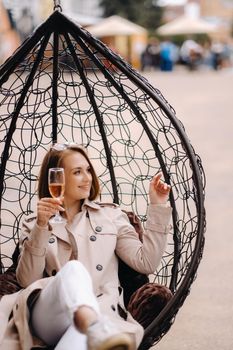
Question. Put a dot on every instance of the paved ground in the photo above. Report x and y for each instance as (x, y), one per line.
(204, 103)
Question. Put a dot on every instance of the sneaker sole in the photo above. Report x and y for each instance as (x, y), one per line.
(117, 342)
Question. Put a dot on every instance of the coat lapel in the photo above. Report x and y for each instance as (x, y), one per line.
(60, 231)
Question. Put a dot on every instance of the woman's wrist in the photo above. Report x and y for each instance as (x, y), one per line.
(42, 223)
(165, 205)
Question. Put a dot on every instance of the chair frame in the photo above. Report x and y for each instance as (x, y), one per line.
(26, 63)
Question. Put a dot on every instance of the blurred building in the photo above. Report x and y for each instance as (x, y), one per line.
(28, 14)
(83, 7)
(171, 12)
(84, 12)
(219, 12)
(9, 38)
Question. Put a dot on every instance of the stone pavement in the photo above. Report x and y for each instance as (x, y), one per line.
(204, 103)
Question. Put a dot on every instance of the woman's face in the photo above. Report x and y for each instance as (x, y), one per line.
(78, 177)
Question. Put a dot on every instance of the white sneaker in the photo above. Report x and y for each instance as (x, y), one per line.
(103, 335)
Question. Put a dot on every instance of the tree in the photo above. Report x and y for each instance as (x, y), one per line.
(143, 12)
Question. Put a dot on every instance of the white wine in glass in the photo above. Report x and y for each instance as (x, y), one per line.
(56, 182)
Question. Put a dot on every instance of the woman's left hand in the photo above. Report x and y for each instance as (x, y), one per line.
(158, 190)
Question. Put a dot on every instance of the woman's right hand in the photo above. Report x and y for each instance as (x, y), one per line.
(47, 207)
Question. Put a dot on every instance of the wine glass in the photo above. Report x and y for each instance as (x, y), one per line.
(56, 182)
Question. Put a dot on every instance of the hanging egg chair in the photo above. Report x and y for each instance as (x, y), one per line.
(62, 84)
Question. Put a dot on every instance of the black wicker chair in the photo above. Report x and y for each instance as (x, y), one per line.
(64, 85)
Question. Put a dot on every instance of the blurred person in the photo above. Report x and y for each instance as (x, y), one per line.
(207, 58)
(25, 24)
(217, 51)
(191, 54)
(227, 51)
(146, 59)
(150, 57)
(155, 52)
(168, 55)
(72, 297)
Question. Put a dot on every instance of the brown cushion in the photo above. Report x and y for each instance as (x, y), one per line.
(147, 302)
(8, 282)
(136, 223)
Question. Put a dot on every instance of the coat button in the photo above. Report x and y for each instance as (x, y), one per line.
(51, 240)
(113, 307)
(99, 267)
(98, 229)
(54, 272)
(92, 238)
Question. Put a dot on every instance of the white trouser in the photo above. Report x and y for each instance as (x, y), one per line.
(53, 313)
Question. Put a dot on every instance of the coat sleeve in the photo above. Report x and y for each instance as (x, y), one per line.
(143, 257)
(32, 244)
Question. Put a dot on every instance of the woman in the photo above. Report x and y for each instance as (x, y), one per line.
(69, 271)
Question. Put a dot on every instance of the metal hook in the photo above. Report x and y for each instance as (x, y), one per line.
(57, 5)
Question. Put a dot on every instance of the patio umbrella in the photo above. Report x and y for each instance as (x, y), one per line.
(186, 25)
(115, 25)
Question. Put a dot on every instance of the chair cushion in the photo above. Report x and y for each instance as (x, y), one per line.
(147, 302)
(8, 282)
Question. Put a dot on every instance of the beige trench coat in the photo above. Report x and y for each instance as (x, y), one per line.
(97, 234)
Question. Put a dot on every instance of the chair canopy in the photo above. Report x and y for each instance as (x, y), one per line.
(62, 85)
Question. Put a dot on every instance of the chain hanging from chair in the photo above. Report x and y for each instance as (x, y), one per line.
(57, 5)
